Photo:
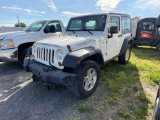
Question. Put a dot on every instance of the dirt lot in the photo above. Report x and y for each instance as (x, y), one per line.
(125, 92)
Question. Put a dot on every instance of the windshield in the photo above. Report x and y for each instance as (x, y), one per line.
(34, 27)
(87, 23)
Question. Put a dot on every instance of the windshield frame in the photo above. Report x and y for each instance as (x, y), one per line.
(28, 30)
(84, 19)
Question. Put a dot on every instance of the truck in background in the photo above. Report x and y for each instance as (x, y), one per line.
(146, 32)
(10, 29)
(14, 45)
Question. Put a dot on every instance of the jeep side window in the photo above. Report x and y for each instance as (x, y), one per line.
(55, 24)
(126, 24)
(114, 21)
(148, 26)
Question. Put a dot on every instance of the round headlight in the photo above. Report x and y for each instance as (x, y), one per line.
(34, 49)
(59, 53)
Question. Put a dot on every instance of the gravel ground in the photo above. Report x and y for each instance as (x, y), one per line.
(20, 98)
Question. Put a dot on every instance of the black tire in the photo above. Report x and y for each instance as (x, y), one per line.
(78, 87)
(124, 58)
(22, 55)
(158, 47)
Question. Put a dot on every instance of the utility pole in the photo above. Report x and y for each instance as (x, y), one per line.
(18, 21)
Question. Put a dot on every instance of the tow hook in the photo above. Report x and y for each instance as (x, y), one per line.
(49, 86)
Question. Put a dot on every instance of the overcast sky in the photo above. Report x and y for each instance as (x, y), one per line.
(33, 10)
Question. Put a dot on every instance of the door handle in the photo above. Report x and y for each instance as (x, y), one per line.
(119, 35)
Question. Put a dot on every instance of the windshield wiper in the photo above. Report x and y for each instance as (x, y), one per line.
(88, 31)
(72, 31)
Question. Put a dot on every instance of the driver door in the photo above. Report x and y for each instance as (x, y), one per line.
(113, 43)
(47, 32)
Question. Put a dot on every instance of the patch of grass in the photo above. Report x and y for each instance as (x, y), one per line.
(143, 98)
(135, 88)
(124, 113)
(112, 101)
(147, 61)
(124, 83)
(85, 109)
(127, 98)
(140, 112)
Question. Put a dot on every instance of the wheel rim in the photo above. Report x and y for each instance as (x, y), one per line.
(127, 54)
(90, 79)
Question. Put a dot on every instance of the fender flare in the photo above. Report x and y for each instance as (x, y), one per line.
(127, 40)
(71, 59)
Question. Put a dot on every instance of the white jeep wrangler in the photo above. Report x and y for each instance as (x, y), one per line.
(74, 60)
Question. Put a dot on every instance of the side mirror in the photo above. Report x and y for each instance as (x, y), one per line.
(158, 22)
(114, 29)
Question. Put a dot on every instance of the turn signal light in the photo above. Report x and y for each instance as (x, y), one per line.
(11, 44)
(60, 64)
(78, 62)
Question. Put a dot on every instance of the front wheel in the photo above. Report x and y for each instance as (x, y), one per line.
(124, 58)
(87, 79)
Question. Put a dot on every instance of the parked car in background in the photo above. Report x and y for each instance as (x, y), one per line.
(14, 45)
(74, 60)
(146, 32)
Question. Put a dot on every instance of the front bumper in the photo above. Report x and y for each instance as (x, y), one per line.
(49, 74)
(8, 55)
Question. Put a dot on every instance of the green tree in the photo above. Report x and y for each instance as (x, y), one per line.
(20, 25)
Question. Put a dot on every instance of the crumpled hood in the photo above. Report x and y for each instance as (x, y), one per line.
(8, 34)
(72, 41)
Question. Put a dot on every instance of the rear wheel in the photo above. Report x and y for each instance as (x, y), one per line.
(158, 47)
(22, 55)
(87, 79)
(124, 58)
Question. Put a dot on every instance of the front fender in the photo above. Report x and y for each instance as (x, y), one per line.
(127, 40)
(71, 59)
